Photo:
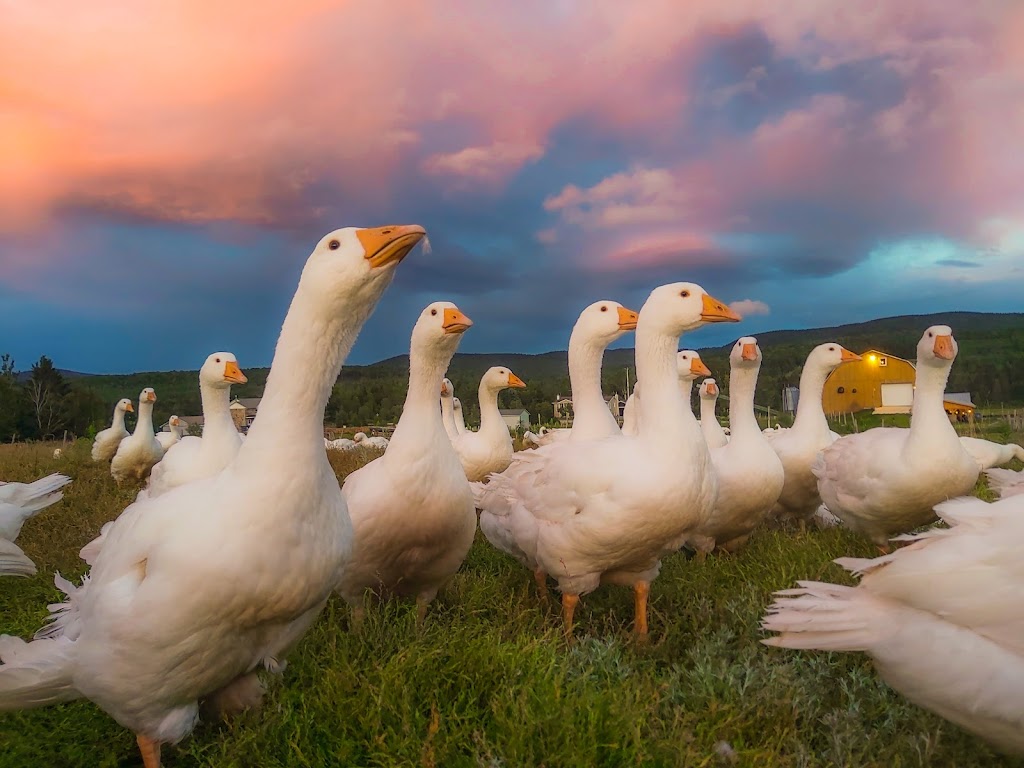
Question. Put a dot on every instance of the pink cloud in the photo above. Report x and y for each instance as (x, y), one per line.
(483, 164)
(748, 307)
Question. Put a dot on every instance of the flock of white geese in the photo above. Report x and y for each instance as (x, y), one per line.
(234, 545)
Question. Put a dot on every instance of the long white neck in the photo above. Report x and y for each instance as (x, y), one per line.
(928, 419)
(310, 350)
(144, 426)
(810, 416)
(665, 419)
(460, 420)
(591, 417)
(219, 431)
(448, 417)
(421, 423)
(707, 409)
(490, 418)
(742, 383)
(118, 421)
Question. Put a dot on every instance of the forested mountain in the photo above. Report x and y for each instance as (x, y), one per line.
(990, 366)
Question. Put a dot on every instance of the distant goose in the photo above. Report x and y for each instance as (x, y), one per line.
(490, 448)
(137, 453)
(105, 445)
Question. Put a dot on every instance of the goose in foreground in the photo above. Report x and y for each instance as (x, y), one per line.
(412, 509)
(989, 454)
(887, 480)
(606, 511)
(139, 452)
(709, 425)
(175, 431)
(490, 448)
(750, 475)
(105, 445)
(198, 587)
(941, 618)
(18, 503)
(798, 446)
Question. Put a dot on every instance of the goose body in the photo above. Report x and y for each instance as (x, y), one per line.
(989, 454)
(750, 474)
(887, 481)
(943, 618)
(412, 510)
(105, 445)
(20, 502)
(798, 446)
(713, 433)
(489, 449)
(196, 588)
(606, 510)
(139, 452)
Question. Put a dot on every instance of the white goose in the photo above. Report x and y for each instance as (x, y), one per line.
(105, 445)
(198, 587)
(798, 446)
(194, 458)
(689, 367)
(448, 409)
(630, 413)
(989, 454)
(412, 509)
(139, 452)
(709, 425)
(943, 618)
(172, 436)
(490, 448)
(886, 480)
(607, 510)
(18, 503)
(750, 475)
(1005, 482)
(460, 421)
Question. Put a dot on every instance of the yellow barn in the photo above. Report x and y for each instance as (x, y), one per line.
(878, 379)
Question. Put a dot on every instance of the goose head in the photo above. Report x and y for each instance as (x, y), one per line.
(456, 405)
(499, 378)
(828, 357)
(220, 371)
(438, 331)
(675, 308)
(689, 366)
(603, 322)
(124, 404)
(148, 395)
(937, 347)
(174, 421)
(708, 389)
(355, 265)
(358, 437)
(745, 354)
(447, 390)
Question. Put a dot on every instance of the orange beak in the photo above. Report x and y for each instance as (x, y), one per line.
(697, 367)
(515, 381)
(944, 348)
(749, 352)
(130, 408)
(847, 356)
(717, 312)
(233, 374)
(712, 389)
(387, 245)
(455, 322)
(151, 397)
(627, 319)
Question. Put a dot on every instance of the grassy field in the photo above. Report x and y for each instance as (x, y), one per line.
(490, 681)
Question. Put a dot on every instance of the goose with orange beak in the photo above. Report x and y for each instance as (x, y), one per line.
(887, 481)
(709, 424)
(490, 448)
(105, 445)
(412, 509)
(139, 452)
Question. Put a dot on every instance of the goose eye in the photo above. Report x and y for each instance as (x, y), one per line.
(929, 334)
(684, 294)
(433, 311)
(831, 349)
(217, 360)
(334, 245)
(604, 309)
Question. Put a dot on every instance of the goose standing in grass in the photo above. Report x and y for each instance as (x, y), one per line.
(18, 503)
(598, 325)
(173, 435)
(197, 588)
(105, 445)
(448, 409)
(489, 449)
(709, 425)
(194, 458)
(798, 446)
(750, 474)
(941, 618)
(607, 510)
(887, 480)
(412, 509)
(989, 454)
(139, 452)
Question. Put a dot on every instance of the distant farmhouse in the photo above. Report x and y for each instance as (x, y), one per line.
(883, 383)
(562, 408)
(243, 411)
(515, 417)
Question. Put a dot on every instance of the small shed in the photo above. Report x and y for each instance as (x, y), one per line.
(515, 417)
(857, 385)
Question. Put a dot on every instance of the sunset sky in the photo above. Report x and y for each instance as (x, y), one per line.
(166, 167)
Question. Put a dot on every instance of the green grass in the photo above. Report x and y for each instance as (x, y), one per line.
(490, 681)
